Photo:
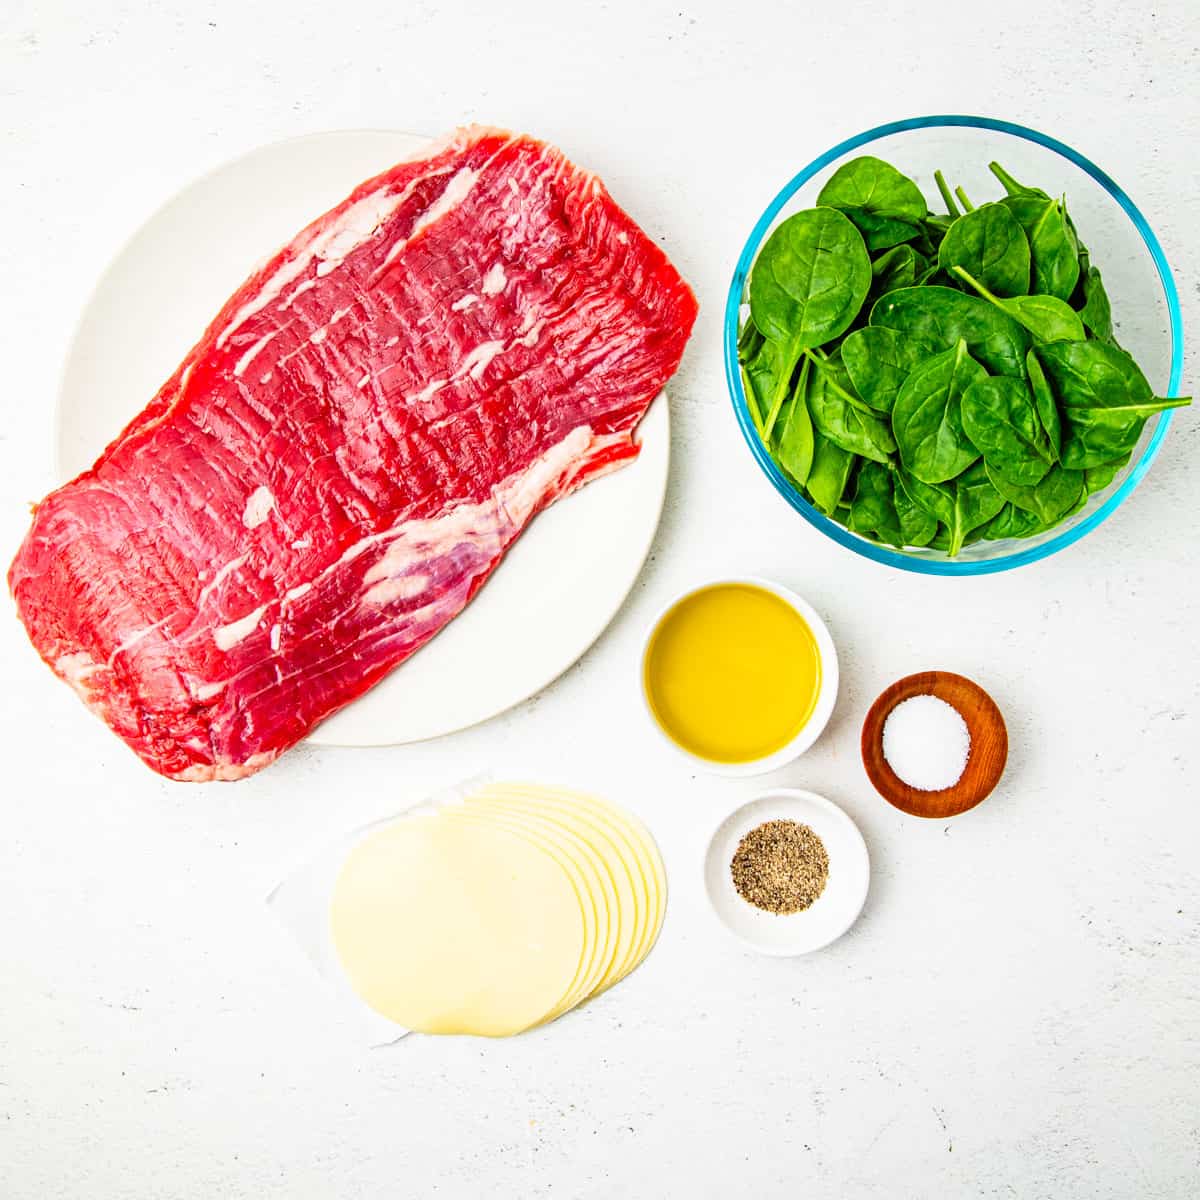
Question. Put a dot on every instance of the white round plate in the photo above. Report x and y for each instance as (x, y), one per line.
(555, 591)
(831, 914)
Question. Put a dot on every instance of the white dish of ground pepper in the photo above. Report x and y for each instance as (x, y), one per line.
(787, 873)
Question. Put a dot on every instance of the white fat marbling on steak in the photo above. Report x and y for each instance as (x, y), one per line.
(76, 668)
(259, 507)
(405, 587)
(228, 636)
(329, 247)
(428, 392)
(250, 355)
(491, 522)
(494, 281)
(220, 577)
(477, 361)
(454, 193)
(130, 640)
(297, 292)
(320, 334)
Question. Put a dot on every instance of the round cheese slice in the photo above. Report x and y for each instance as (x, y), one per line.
(583, 873)
(605, 843)
(647, 847)
(640, 840)
(634, 851)
(588, 845)
(449, 926)
(537, 820)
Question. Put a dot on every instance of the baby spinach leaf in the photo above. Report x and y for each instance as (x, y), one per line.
(749, 341)
(933, 229)
(843, 418)
(962, 505)
(1096, 479)
(927, 416)
(902, 266)
(930, 273)
(879, 360)
(1096, 312)
(794, 440)
(749, 347)
(759, 376)
(1012, 187)
(941, 539)
(885, 206)
(1085, 257)
(1046, 317)
(829, 474)
(807, 285)
(999, 417)
(990, 244)
(881, 232)
(1104, 400)
(810, 279)
(1050, 499)
(944, 315)
(872, 510)
(751, 401)
(1012, 522)
(1052, 244)
(1044, 402)
(976, 499)
(1053, 247)
(918, 526)
(874, 186)
(1079, 504)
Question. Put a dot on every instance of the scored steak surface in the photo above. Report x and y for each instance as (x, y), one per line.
(346, 454)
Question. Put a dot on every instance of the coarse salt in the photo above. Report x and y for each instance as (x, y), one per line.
(927, 743)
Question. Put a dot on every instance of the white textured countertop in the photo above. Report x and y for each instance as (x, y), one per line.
(1018, 1011)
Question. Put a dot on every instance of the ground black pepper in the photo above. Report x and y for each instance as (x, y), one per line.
(781, 866)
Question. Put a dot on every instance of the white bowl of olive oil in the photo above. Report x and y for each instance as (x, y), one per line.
(739, 675)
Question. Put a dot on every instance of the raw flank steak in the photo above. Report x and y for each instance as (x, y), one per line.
(349, 450)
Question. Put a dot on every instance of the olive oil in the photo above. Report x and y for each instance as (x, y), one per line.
(732, 673)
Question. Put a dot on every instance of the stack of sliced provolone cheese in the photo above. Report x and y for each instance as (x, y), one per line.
(498, 912)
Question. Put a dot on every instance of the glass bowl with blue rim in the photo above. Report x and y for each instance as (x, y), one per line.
(1137, 277)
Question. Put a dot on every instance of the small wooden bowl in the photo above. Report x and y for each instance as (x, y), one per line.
(989, 745)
